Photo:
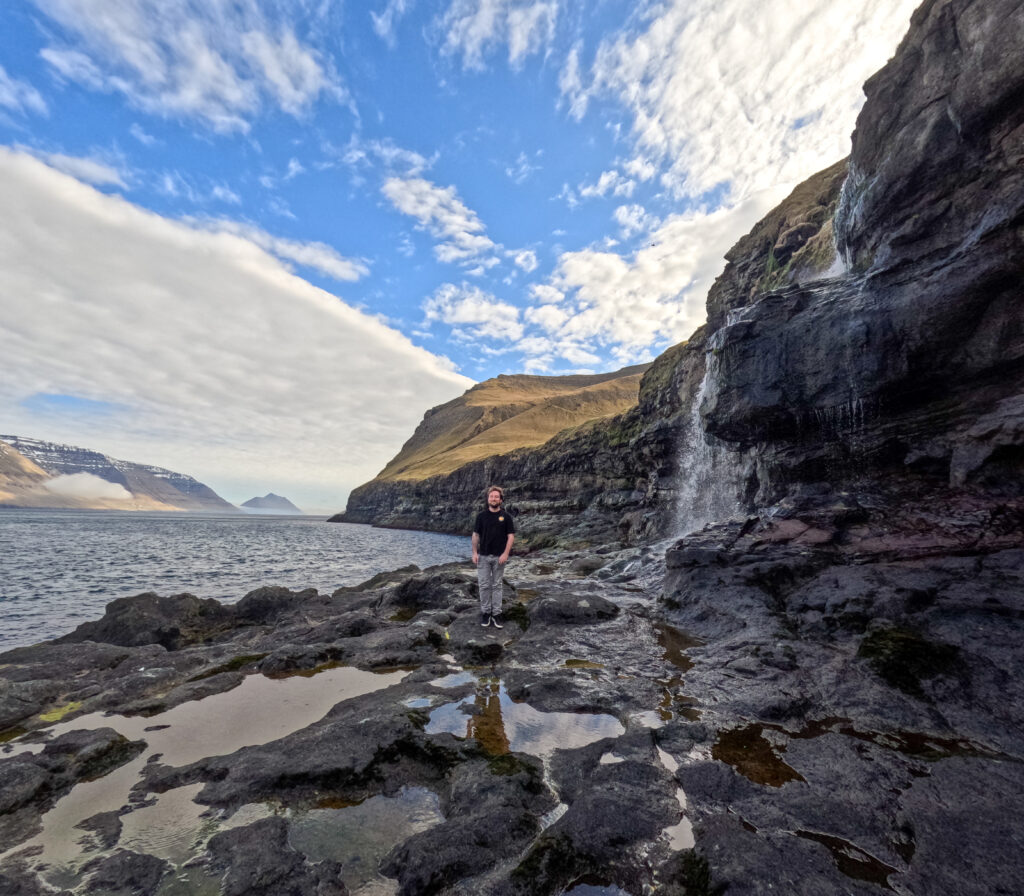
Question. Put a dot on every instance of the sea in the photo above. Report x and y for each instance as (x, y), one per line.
(59, 568)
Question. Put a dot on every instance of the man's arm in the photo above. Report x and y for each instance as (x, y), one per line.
(476, 548)
(508, 549)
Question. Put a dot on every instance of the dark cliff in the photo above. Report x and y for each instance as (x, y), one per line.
(899, 358)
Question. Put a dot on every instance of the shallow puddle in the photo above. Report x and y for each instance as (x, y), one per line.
(501, 725)
(680, 834)
(749, 752)
(675, 642)
(852, 860)
(258, 711)
(359, 837)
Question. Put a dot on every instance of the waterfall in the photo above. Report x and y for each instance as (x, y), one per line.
(713, 475)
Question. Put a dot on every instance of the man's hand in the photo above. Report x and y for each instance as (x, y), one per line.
(476, 558)
(503, 559)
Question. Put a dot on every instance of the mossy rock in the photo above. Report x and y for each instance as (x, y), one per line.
(904, 658)
(552, 863)
(518, 614)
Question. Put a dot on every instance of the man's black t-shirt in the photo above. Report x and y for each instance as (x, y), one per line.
(494, 529)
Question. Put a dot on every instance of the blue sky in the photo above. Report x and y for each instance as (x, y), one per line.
(255, 241)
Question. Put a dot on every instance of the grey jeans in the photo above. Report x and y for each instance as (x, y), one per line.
(488, 575)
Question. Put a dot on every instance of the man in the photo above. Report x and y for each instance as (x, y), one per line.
(493, 534)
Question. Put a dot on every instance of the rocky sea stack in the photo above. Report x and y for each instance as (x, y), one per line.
(814, 691)
(271, 503)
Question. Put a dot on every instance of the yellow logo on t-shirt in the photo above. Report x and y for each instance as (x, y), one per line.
(501, 519)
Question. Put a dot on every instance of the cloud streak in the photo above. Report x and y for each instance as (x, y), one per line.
(472, 29)
(740, 95)
(220, 63)
(18, 96)
(226, 366)
(631, 303)
(439, 211)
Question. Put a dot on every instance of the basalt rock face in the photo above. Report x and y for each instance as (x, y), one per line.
(910, 366)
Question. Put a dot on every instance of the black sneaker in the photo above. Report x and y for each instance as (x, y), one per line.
(484, 619)
(496, 620)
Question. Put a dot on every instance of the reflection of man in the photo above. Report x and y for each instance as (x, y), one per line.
(493, 534)
(487, 725)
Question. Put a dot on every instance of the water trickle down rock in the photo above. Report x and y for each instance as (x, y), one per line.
(714, 476)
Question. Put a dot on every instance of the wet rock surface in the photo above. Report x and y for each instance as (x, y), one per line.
(824, 714)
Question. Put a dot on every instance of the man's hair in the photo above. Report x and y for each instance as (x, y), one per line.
(495, 488)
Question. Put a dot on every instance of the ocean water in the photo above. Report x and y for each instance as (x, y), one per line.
(59, 568)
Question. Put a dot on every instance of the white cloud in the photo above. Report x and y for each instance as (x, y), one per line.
(86, 486)
(745, 95)
(522, 169)
(525, 259)
(469, 310)
(226, 366)
(181, 186)
(640, 168)
(384, 23)
(549, 318)
(609, 182)
(220, 63)
(634, 219)
(472, 28)
(18, 96)
(139, 134)
(222, 193)
(546, 293)
(393, 158)
(568, 195)
(318, 256)
(570, 84)
(654, 296)
(92, 170)
(440, 212)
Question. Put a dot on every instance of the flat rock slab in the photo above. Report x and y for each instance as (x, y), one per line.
(569, 608)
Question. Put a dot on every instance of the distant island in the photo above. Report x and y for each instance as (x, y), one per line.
(271, 503)
(35, 473)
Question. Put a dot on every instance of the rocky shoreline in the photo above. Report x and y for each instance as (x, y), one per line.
(819, 699)
(816, 691)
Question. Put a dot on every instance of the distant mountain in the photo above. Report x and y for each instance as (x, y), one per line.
(34, 473)
(271, 503)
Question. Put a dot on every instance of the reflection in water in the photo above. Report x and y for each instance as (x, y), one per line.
(749, 752)
(675, 643)
(359, 837)
(675, 704)
(501, 725)
(852, 860)
(169, 828)
(680, 834)
(258, 711)
(455, 680)
(487, 724)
